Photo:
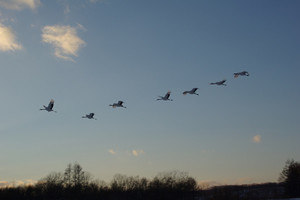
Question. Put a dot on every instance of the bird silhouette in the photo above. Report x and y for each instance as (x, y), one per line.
(166, 97)
(49, 108)
(192, 91)
(243, 73)
(89, 116)
(119, 104)
(219, 83)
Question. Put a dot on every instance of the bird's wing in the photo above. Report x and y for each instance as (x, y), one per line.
(51, 104)
(194, 90)
(168, 94)
(120, 102)
(246, 73)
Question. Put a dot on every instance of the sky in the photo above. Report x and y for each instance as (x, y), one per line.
(87, 54)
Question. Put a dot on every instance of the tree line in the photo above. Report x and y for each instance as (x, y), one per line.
(75, 183)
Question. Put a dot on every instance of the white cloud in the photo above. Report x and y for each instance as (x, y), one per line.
(137, 152)
(64, 39)
(19, 4)
(8, 40)
(111, 151)
(256, 139)
(5, 184)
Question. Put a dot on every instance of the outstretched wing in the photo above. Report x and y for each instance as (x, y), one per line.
(168, 95)
(222, 82)
(245, 73)
(194, 90)
(51, 104)
(120, 102)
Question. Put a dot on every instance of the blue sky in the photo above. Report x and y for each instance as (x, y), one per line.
(88, 54)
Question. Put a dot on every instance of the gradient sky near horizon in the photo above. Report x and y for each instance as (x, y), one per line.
(87, 54)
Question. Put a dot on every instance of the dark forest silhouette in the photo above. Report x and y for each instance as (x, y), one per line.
(75, 183)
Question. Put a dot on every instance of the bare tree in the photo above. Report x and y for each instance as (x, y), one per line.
(290, 176)
(53, 179)
(68, 176)
(79, 177)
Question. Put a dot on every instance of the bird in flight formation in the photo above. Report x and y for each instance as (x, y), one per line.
(89, 116)
(49, 108)
(219, 83)
(119, 104)
(243, 73)
(192, 91)
(166, 97)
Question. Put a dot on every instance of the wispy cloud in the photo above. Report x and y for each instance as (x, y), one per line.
(111, 151)
(134, 152)
(95, 1)
(256, 139)
(67, 10)
(19, 4)
(64, 39)
(81, 27)
(5, 184)
(137, 152)
(8, 40)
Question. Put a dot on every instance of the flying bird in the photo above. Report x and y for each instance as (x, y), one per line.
(243, 73)
(166, 97)
(49, 108)
(219, 83)
(89, 116)
(119, 104)
(193, 91)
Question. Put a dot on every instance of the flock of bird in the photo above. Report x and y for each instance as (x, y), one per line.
(50, 106)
